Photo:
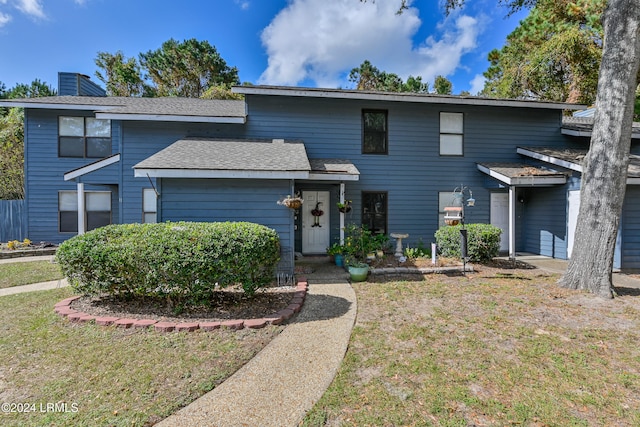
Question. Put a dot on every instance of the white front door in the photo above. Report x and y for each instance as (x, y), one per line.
(573, 209)
(315, 229)
(500, 217)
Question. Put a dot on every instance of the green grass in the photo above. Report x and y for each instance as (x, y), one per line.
(487, 350)
(25, 273)
(113, 376)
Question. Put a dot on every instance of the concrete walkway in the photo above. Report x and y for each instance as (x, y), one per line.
(44, 286)
(283, 382)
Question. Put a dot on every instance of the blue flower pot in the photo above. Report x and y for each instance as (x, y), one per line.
(339, 260)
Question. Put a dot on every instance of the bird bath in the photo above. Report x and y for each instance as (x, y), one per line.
(399, 237)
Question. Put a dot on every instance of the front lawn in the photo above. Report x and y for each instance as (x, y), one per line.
(26, 273)
(106, 376)
(494, 348)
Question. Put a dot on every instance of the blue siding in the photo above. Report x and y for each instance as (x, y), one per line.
(544, 222)
(13, 224)
(413, 173)
(630, 226)
(140, 140)
(219, 200)
(44, 172)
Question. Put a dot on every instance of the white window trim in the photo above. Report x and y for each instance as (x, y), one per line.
(451, 128)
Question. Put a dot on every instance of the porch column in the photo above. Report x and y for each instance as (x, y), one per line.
(81, 209)
(342, 214)
(512, 222)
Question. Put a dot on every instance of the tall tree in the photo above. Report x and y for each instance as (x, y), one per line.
(187, 68)
(369, 77)
(604, 176)
(554, 54)
(604, 173)
(442, 85)
(122, 76)
(12, 138)
(12, 155)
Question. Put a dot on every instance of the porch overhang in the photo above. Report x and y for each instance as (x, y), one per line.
(571, 158)
(520, 175)
(243, 159)
(227, 158)
(91, 167)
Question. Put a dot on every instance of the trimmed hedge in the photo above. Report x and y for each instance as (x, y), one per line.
(483, 241)
(183, 261)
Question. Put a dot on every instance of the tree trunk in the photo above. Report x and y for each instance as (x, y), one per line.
(604, 172)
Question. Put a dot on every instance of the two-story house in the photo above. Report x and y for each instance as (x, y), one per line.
(92, 160)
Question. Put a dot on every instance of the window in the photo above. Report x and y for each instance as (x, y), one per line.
(68, 211)
(97, 207)
(149, 206)
(451, 131)
(374, 132)
(84, 137)
(374, 212)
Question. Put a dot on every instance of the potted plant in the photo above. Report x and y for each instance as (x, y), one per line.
(336, 252)
(344, 207)
(358, 270)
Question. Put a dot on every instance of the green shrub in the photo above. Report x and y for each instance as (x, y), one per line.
(483, 241)
(184, 262)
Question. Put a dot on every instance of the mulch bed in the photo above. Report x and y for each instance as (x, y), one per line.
(224, 305)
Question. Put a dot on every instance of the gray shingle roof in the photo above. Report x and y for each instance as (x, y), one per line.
(575, 156)
(173, 106)
(517, 170)
(584, 126)
(230, 155)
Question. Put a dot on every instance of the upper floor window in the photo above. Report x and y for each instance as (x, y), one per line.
(374, 211)
(374, 132)
(451, 132)
(84, 137)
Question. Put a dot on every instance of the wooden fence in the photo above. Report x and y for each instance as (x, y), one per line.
(13, 220)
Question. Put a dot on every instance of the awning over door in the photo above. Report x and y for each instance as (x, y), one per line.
(517, 174)
(242, 159)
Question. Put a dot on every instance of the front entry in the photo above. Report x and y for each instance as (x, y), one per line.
(500, 217)
(315, 229)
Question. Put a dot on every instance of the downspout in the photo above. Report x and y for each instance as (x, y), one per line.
(512, 222)
(121, 175)
(292, 232)
(342, 214)
(81, 209)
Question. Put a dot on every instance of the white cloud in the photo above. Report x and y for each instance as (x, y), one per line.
(322, 41)
(31, 7)
(477, 84)
(244, 4)
(4, 19)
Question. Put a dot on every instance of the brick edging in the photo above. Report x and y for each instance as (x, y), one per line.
(63, 308)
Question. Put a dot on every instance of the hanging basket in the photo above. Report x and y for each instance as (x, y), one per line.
(292, 202)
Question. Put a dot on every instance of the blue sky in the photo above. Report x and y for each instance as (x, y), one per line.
(312, 43)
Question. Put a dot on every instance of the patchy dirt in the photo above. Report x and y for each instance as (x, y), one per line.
(424, 262)
(224, 305)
